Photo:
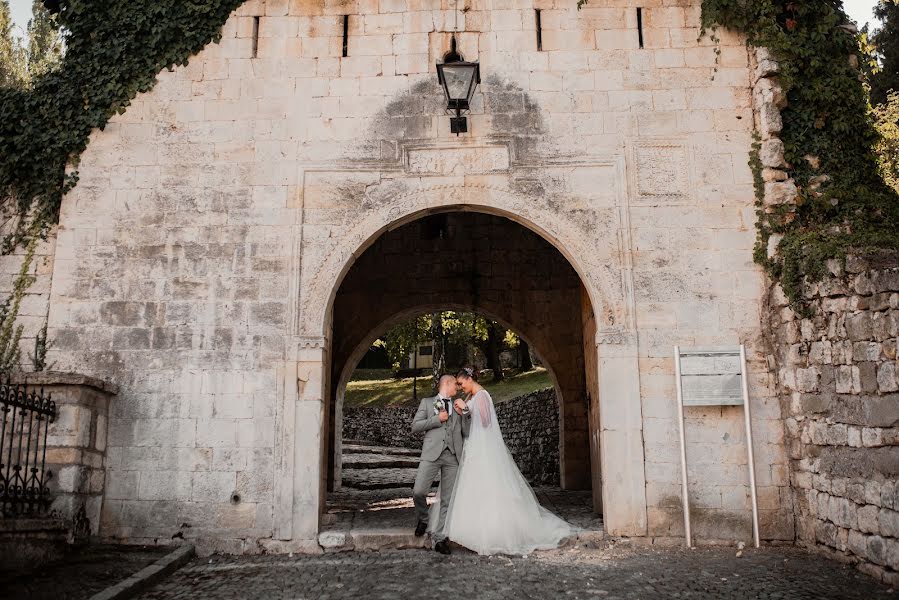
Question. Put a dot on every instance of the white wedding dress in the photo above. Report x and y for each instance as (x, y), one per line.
(493, 508)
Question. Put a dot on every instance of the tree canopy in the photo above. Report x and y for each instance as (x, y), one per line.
(885, 41)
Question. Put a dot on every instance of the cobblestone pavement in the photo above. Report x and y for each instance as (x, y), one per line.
(612, 572)
(81, 574)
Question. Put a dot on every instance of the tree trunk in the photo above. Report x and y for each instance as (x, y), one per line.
(437, 347)
(524, 356)
(494, 340)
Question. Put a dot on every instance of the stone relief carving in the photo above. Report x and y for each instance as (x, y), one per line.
(660, 170)
(458, 161)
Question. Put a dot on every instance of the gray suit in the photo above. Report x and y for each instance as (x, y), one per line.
(440, 452)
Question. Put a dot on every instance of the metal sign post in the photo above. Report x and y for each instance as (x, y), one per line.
(713, 376)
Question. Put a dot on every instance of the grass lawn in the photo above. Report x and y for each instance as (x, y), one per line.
(398, 392)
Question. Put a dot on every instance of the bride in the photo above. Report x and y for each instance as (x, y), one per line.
(493, 509)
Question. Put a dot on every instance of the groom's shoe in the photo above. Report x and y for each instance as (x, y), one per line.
(443, 547)
(421, 528)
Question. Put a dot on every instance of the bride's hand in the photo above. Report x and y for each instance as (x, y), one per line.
(459, 406)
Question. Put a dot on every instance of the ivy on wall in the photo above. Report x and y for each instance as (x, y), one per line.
(114, 50)
(843, 204)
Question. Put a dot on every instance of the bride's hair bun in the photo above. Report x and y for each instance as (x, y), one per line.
(469, 372)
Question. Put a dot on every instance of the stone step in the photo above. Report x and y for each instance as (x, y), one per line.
(371, 539)
(401, 538)
(378, 461)
(378, 479)
(360, 448)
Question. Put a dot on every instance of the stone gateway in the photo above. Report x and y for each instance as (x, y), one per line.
(242, 233)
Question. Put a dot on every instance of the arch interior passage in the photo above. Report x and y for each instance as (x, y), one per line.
(483, 263)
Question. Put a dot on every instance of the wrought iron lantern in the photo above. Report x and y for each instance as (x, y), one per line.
(459, 80)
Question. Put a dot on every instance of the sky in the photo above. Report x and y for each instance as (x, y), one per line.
(861, 11)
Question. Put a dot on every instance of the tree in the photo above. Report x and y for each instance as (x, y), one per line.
(44, 51)
(524, 356)
(21, 65)
(886, 46)
(491, 348)
(12, 56)
(438, 336)
(401, 340)
(886, 119)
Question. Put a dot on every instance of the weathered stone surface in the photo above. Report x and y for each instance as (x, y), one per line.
(200, 256)
(844, 442)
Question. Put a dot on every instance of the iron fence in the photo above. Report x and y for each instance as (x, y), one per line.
(25, 416)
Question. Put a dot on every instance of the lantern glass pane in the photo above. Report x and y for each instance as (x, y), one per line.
(458, 80)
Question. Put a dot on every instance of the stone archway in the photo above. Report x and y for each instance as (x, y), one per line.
(482, 263)
(593, 240)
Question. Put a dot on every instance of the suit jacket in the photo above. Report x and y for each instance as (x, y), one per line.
(436, 433)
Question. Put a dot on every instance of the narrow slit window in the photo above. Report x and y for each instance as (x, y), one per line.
(640, 26)
(255, 37)
(539, 29)
(346, 34)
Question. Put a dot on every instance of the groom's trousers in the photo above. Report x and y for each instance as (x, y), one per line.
(447, 465)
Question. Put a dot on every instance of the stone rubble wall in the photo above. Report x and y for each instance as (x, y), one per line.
(837, 372)
(530, 426)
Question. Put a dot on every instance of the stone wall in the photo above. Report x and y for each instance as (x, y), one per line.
(198, 258)
(381, 426)
(530, 426)
(33, 309)
(837, 372)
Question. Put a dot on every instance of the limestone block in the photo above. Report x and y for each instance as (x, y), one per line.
(122, 485)
(866, 351)
(848, 380)
(772, 153)
(888, 521)
(837, 435)
(886, 377)
(857, 544)
(859, 326)
(780, 192)
(165, 485)
(215, 433)
(73, 479)
(876, 550)
(770, 121)
(212, 486)
(807, 379)
(872, 437)
(867, 517)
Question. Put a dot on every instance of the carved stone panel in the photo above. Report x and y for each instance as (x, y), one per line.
(661, 171)
(458, 161)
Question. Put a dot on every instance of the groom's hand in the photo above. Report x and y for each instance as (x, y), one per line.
(444, 416)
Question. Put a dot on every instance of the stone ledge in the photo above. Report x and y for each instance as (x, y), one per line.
(31, 525)
(51, 378)
(148, 576)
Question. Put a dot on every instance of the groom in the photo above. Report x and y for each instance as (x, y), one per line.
(445, 426)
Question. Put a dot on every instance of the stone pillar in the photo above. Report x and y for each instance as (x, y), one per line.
(76, 444)
(621, 435)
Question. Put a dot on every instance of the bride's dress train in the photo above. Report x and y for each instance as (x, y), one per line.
(494, 510)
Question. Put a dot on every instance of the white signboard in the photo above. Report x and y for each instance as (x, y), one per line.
(713, 377)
